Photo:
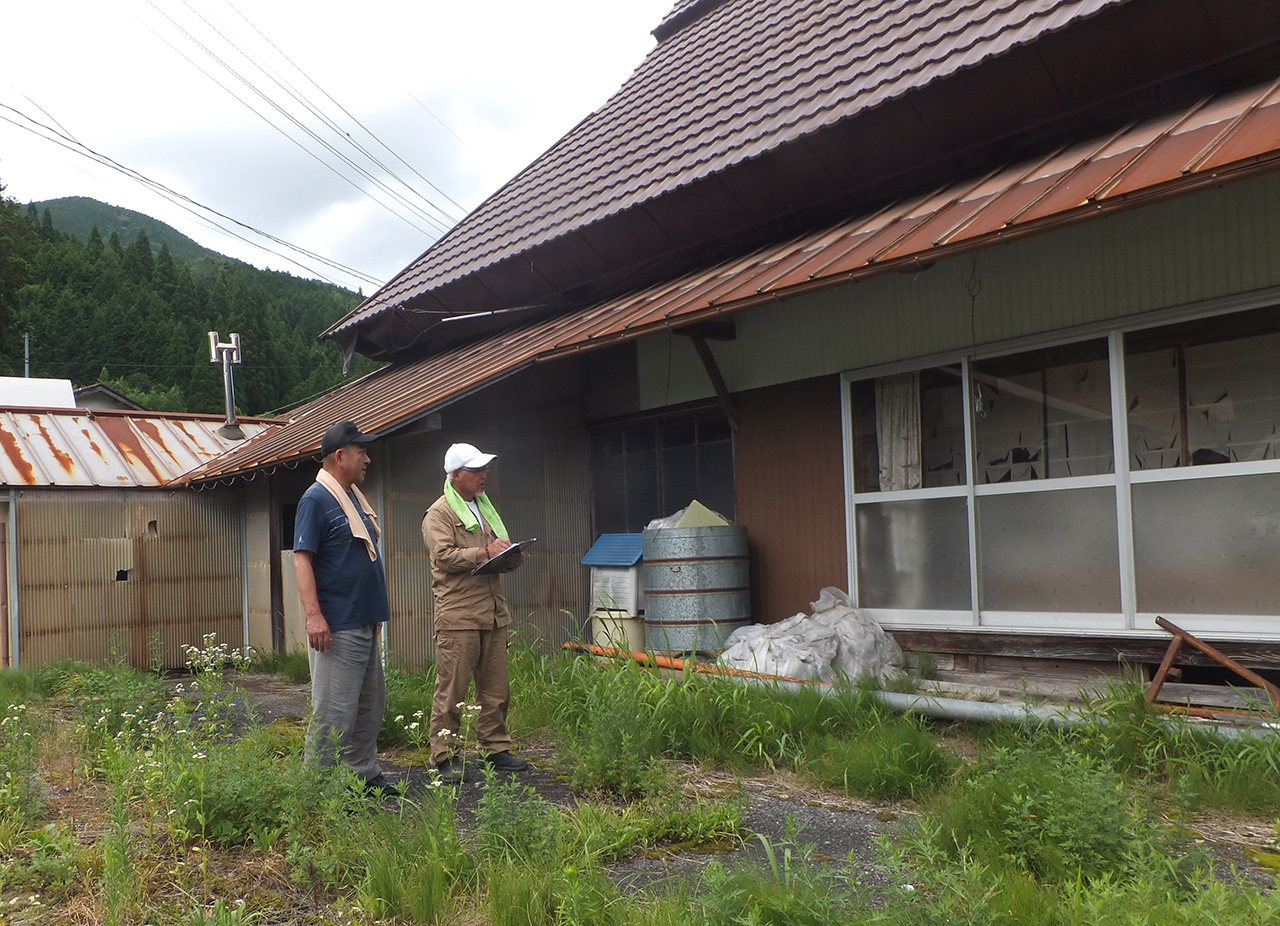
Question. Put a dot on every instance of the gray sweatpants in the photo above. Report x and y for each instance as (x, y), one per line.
(348, 696)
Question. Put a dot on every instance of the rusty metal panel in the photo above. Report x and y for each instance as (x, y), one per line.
(546, 495)
(257, 521)
(412, 480)
(81, 447)
(103, 570)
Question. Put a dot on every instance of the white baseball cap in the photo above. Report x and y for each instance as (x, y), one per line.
(465, 456)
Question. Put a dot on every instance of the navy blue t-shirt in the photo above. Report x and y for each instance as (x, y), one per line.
(351, 587)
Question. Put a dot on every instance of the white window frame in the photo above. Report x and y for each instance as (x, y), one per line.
(1128, 621)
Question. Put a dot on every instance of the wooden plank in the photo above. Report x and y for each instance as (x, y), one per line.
(1237, 699)
(1133, 650)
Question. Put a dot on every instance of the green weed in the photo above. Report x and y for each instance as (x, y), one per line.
(293, 667)
(606, 731)
(901, 759)
(414, 863)
(550, 894)
(514, 822)
(605, 832)
(789, 891)
(47, 861)
(1052, 813)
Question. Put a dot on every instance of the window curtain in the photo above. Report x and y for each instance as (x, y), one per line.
(898, 431)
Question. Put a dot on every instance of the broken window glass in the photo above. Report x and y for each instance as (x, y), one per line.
(1043, 414)
(1204, 392)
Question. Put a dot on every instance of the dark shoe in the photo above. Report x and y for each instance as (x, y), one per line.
(452, 770)
(380, 786)
(505, 762)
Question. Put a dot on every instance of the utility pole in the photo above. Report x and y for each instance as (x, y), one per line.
(26, 354)
(227, 354)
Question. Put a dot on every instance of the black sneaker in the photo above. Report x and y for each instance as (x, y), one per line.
(505, 762)
(452, 770)
(380, 786)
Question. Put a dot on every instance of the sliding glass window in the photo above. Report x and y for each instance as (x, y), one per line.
(908, 434)
(1204, 400)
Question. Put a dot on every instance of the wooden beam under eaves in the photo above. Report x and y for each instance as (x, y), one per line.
(713, 372)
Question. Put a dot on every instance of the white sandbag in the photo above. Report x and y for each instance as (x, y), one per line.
(794, 648)
(865, 651)
(836, 640)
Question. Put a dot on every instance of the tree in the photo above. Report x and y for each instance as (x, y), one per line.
(99, 311)
(18, 245)
(139, 262)
(47, 231)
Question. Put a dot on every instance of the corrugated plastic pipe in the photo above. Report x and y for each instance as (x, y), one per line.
(939, 708)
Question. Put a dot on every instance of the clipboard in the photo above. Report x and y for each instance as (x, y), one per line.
(497, 564)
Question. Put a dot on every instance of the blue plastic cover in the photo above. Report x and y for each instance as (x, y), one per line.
(615, 550)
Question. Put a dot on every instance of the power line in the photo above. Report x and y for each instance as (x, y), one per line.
(52, 135)
(462, 209)
(303, 128)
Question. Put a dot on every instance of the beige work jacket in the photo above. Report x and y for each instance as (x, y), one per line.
(463, 601)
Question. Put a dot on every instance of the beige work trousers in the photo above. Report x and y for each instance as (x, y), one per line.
(461, 656)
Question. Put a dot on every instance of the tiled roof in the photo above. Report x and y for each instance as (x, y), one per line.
(1212, 142)
(744, 78)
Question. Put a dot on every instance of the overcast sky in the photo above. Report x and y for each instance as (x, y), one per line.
(466, 93)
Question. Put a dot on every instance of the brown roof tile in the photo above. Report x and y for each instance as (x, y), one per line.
(744, 79)
(1177, 153)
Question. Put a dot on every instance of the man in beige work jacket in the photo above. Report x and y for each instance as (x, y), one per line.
(461, 531)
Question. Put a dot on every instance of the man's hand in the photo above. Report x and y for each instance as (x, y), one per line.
(495, 547)
(318, 635)
(317, 627)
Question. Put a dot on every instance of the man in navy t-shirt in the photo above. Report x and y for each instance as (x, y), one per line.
(344, 594)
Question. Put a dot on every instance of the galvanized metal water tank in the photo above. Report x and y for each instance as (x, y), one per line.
(696, 585)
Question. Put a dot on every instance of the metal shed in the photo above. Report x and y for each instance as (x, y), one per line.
(102, 556)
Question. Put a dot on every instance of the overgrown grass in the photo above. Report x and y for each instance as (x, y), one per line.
(1047, 812)
(185, 815)
(293, 667)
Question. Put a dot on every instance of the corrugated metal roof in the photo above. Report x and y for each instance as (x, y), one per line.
(99, 447)
(744, 78)
(1142, 162)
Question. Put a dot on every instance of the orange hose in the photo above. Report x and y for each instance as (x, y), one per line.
(678, 665)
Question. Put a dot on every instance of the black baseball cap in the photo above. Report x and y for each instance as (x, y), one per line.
(341, 434)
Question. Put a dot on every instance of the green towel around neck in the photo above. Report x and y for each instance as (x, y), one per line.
(468, 517)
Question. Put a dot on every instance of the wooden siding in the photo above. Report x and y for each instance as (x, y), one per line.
(790, 494)
(1210, 245)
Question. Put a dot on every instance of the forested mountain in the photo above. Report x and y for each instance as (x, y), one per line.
(77, 215)
(100, 310)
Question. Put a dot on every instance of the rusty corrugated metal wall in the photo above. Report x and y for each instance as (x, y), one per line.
(788, 474)
(411, 485)
(104, 568)
(539, 484)
(257, 521)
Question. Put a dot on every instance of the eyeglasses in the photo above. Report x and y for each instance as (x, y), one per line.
(476, 469)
